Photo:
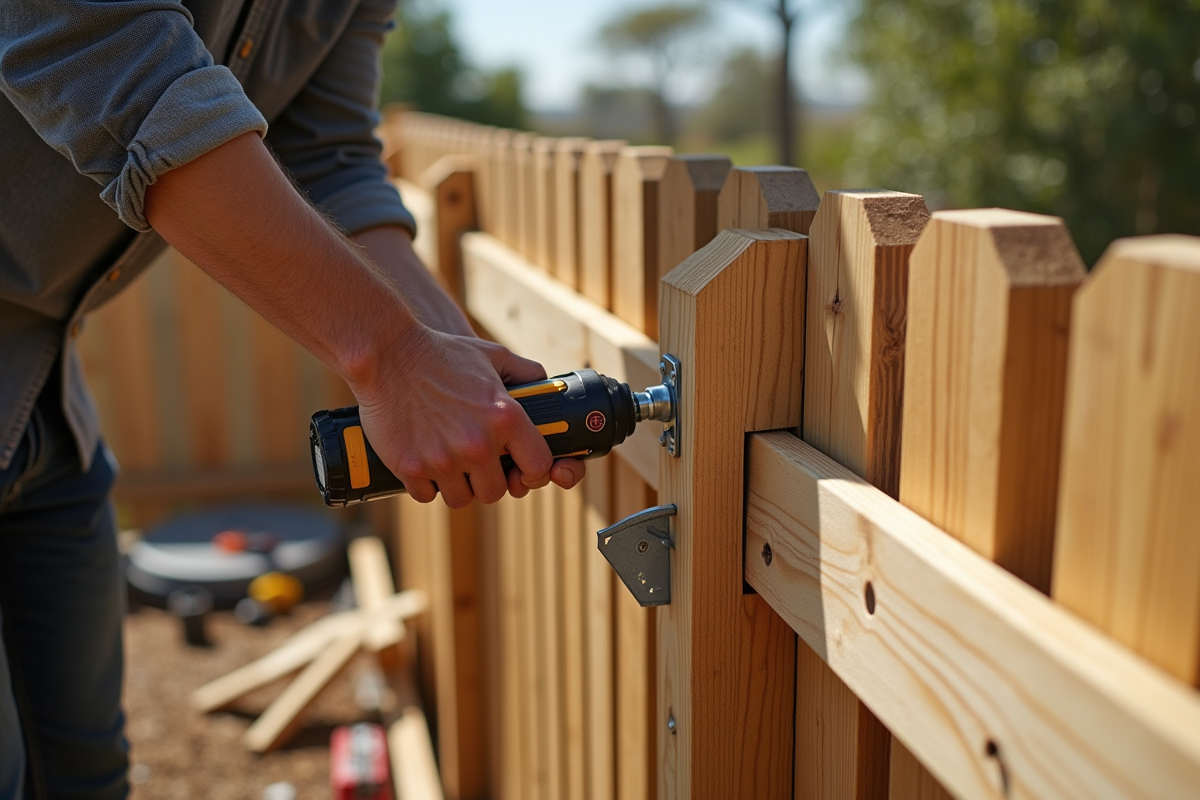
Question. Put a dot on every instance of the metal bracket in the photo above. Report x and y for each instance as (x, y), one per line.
(639, 550)
(672, 376)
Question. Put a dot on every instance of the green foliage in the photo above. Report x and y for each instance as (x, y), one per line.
(741, 106)
(423, 66)
(1087, 109)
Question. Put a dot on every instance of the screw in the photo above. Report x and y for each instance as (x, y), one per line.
(767, 555)
(643, 547)
(662, 438)
(671, 724)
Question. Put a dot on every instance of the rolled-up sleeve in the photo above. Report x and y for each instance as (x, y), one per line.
(125, 90)
(325, 136)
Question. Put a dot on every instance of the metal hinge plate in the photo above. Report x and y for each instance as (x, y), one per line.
(639, 550)
(672, 377)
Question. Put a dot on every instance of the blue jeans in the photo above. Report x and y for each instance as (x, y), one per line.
(61, 723)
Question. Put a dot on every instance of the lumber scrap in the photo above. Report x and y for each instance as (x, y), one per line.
(1005, 693)
(726, 662)
(1128, 557)
(853, 397)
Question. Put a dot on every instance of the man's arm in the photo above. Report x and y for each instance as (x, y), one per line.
(433, 404)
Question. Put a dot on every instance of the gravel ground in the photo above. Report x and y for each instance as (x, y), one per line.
(180, 754)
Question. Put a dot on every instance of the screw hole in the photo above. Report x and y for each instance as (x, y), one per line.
(767, 555)
(643, 546)
(869, 593)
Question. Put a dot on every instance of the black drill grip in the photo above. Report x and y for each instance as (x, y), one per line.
(581, 415)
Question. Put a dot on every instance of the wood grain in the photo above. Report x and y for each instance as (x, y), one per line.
(726, 662)
(545, 202)
(958, 652)
(853, 397)
(599, 648)
(1128, 557)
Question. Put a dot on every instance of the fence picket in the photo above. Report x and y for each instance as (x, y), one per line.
(853, 391)
(767, 197)
(687, 207)
(596, 220)
(985, 371)
(1128, 558)
(567, 210)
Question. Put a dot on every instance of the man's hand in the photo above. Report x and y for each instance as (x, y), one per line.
(433, 404)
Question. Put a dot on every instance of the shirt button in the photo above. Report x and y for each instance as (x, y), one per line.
(76, 329)
(115, 275)
(247, 48)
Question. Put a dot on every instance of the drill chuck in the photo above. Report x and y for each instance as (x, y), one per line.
(582, 414)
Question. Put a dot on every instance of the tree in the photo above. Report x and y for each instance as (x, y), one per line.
(656, 35)
(1086, 109)
(740, 108)
(423, 66)
(789, 107)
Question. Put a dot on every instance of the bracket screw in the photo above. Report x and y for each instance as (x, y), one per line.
(643, 547)
(767, 555)
(671, 724)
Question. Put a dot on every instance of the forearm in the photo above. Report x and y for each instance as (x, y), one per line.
(236, 216)
(390, 247)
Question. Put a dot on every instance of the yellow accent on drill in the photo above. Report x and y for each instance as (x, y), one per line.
(548, 428)
(356, 457)
(534, 389)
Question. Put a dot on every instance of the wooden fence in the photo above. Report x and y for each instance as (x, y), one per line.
(937, 501)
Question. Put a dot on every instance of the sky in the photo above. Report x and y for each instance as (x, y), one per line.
(553, 41)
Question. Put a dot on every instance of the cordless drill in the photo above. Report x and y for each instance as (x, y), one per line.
(582, 414)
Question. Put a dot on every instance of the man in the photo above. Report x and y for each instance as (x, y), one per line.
(128, 124)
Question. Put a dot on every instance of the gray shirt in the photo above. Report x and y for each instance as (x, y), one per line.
(102, 97)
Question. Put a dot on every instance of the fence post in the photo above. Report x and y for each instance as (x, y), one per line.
(1128, 557)
(732, 313)
(989, 308)
(853, 394)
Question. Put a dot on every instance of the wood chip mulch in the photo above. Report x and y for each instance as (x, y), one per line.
(180, 754)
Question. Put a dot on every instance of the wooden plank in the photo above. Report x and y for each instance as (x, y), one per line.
(532, 677)
(373, 586)
(576, 540)
(767, 197)
(513, 772)
(687, 206)
(853, 397)
(545, 202)
(414, 767)
(533, 314)
(547, 535)
(282, 718)
(635, 272)
(595, 220)
(726, 662)
(503, 192)
(599, 582)
(204, 376)
(958, 652)
(985, 371)
(567, 222)
(521, 171)
(278, 415)
(1128, 558)
(451, 184)
(636, 652)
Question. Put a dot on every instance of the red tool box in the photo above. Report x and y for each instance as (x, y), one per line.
(359, 766)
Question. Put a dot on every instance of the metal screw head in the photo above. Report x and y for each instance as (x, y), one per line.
(643, 546)
(671, 724)
(767, 555)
